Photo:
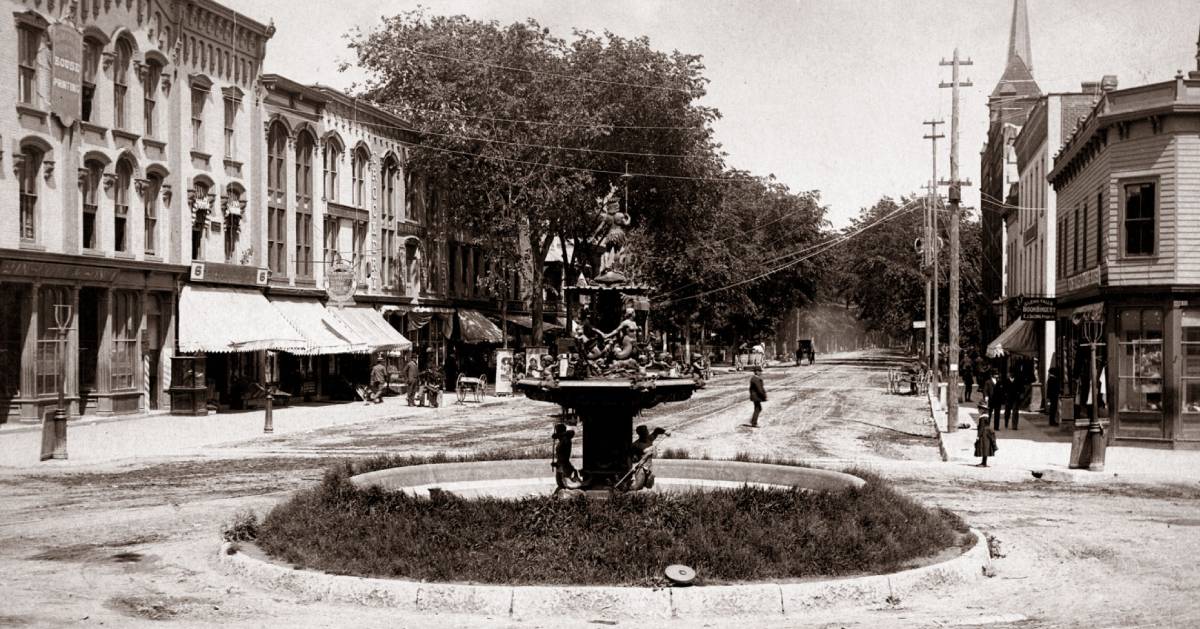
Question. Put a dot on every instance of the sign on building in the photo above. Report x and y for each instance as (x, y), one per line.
(918, 325)
(66, 73)
(1039, 308)
(339, 283)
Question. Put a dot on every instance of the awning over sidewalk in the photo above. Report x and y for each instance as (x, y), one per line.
(526, 321)
(1020, 338)
(476, 328)
(215, 320)
(323, 332)
(370, 326)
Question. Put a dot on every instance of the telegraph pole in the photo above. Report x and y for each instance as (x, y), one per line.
(955, 197)
(931, 254)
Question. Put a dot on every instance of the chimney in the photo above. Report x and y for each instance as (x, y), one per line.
(1090, 87)
(1108, 83)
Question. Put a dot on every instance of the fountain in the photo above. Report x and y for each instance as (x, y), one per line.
(607, 378)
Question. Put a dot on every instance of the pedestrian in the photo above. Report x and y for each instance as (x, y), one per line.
(967, 369)
(411, 379)
(985, 440)
(1015, 394)
(994, 394)
(378, 380)
(758, 394)
(1053, 390)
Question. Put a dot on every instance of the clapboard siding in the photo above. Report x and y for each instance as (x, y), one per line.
(1188, 202)
(1081, 190)
(1152, 154)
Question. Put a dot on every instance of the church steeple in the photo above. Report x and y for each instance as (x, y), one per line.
(1018, 35)
(1017, 80)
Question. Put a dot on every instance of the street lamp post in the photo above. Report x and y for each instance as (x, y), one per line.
(54, 438)
(1092, 455)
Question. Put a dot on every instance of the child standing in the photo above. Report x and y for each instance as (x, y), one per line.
(985, 439)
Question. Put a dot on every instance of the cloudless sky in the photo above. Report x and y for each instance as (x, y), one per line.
(825, 94)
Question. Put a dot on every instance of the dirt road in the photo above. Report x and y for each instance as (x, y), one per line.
(134, 546)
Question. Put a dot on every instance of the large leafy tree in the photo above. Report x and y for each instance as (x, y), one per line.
(524, 130)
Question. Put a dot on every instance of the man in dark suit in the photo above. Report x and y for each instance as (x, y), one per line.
(996, 391)
(411, 379)
(758, 394)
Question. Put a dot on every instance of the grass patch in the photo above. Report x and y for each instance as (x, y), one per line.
(727, 535)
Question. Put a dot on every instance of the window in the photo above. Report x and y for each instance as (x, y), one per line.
(28, 167)
(1075, 242)
(1191, 360)
(29, 40)
(201, 192)
(150, 96)
(121, 207)
(231, 107)
(150, 213)
(387, 241)
(1141, 334)
(198, 98)
(48, 366)
(126, 322)
(333, 154)
(329, 250)
(304, 210)
(91, 188)
(276, 199)
(359, 174)
(120, 83)
(233, 196)
(1140, 205)
(359, 247)
(1085, 260)
(91, 65)
(1100, 212)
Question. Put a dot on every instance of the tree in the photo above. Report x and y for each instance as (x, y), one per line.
(524, 130)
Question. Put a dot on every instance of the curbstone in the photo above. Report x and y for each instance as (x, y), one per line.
(763, 599)
(488, 600)
(530, 602)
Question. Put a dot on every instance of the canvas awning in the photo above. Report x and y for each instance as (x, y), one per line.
(476, 328)
(1020, 338)
(370, 325)
(526, 321)
(323, 332)
(217, 320)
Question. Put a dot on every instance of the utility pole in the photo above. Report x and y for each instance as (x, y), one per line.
(931, 255)
(955, 197)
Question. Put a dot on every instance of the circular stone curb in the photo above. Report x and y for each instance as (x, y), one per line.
(534, 601)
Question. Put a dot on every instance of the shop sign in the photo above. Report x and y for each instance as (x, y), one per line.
(1039, 308)
(918, 325)
(339, 283)
(1084, 280)
(232, 274)
(504, 371)
(66, 72)
(50, 270)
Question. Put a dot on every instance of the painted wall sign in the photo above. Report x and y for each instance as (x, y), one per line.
(66, 73)
(50, 270)
(339, 283)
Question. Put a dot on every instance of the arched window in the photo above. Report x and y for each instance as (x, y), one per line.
(27, 171)
(150, 212)
(360, 177)
(276, 199)
(233, 198)
(150, 97)
(29, 42)
(121, 208)
(387, 240)
(200, 192)
(333, 154)
(304, 211)
(91, 195)
(91, 65)
(124, 54)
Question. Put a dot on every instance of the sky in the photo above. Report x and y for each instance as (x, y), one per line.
(827, 95)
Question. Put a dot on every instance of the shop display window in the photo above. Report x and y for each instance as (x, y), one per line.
(1191, 360)
(1141, 356)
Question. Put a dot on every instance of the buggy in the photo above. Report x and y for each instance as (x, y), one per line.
(804, 349)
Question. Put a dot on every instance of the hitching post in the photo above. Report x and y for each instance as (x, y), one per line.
(54, 438)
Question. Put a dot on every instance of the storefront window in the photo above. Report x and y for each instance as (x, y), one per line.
(11, 326)
(1191, 360)
(1141, 350)
(48, 363)
(124, 349)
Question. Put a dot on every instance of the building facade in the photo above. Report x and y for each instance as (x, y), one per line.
(1009, 105)
(1128, 192)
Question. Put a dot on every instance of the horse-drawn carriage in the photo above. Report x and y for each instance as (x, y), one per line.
(805, 349)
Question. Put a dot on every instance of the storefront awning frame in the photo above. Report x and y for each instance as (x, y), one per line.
(221, 319)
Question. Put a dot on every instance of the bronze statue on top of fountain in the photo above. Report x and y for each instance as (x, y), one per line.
(610, 236)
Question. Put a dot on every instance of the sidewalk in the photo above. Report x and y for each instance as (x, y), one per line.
(100, 440)
(1040, 447)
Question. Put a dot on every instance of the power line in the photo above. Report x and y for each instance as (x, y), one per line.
(555, 123)
(560, 75)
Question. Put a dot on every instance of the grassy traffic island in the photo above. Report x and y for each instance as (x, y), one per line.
(733, 535)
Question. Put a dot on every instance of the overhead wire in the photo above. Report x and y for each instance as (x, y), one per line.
(552, 123)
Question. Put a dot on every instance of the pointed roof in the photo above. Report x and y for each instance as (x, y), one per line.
(1017, 80)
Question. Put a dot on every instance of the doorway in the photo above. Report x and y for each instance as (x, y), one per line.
(89, 347)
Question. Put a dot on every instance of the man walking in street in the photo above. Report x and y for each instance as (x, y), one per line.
(758, 394)
(378, 381)
(994, 392)
(411, 379)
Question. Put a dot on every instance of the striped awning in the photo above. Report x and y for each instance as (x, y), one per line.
(476, 328)
(1020, 339)
(220, 319)
(323, 332)
(370, 325)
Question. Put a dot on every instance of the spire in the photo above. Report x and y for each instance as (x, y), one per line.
(1198, 54)
(1018, 35)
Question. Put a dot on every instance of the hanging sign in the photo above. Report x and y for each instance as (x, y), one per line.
(1039, 308)
(66, 73)
(339, 283)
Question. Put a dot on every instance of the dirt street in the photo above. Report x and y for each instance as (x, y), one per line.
(129, 546)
